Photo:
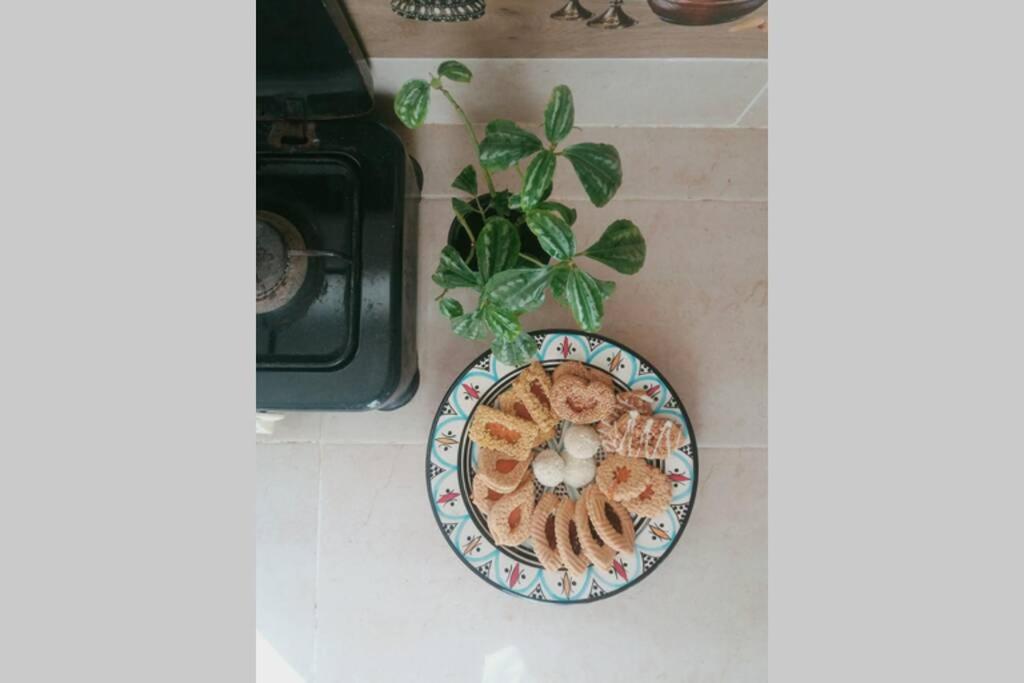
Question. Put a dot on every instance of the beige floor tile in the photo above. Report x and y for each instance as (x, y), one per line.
(659, 163)
(395, 604)
(295, 426)
(606, 92)
(287, 485)
(697, 311)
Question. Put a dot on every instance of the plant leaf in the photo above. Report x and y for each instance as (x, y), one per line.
(553, 233)
(559, 279)
(450, 308)
(506, 144)
(518, 289)
(504, 324)
(497, 247)
(515, 352)
(500, 202)
(470, 326)
(452, 272)
(461, 208)
(568, 215)
(621, 246)
(585, 296)
(412, 102)
(538, 179)
(456, 71)
(500, 124)
(599, 169)
(559, 115)
(466, 180)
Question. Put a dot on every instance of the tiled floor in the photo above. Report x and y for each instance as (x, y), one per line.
(389, 601)
(355, 582)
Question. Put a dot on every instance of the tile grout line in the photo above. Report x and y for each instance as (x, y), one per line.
(724, 200)
(736, 123)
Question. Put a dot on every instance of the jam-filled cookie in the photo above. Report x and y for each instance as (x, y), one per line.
(578, 369)
(542, 532)
(612, 521)
(597, 551)
(484, 497)
(621, 478)
(502, 432)
(567, 535)
(580, 400)
(500, 472)
(520, 402)
(654, 499)
(509, 519)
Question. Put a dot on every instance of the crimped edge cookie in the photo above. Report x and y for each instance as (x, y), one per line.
(612, 521)
(543, 531)
(621, 478)
(654, 499)
(483, 496)
(500, 520)
(483, 431)
(489, 465)
(594, 547)
(566, 531)
(570, 389)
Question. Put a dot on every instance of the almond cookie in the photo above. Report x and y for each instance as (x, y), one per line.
(644, 436)
(594, 547)
(625, 401)
(578, 369)
(654, 499)
(612, 522)
(579, 400)
(502, 432)
(509, 519)
(567, 535)
(500, 472)
(542, 532)
(484, 497)
(622, 478)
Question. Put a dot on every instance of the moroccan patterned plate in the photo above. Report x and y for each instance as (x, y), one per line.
(452, 458)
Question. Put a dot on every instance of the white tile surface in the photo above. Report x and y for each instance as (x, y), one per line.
(757, 115)
(295, 426)
(287, 480)
(697, 311)
(606, 92)
(395, 604)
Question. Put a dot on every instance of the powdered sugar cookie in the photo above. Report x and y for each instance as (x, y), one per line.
(579, 472)
(580, 441)
(548, 468)
(542, 532)
(611, 521)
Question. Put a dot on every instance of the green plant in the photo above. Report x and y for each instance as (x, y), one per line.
(509, 282)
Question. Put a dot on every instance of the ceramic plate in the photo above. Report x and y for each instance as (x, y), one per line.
(451, 463)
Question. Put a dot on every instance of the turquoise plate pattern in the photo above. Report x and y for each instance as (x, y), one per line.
(451, 463)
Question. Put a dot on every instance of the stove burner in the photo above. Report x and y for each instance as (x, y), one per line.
(279, 273)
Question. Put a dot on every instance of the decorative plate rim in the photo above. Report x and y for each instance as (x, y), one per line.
(694, 457)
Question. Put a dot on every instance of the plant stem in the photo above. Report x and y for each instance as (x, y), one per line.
(441, 295)
(472, 135)
(530, 259)
(520, 172)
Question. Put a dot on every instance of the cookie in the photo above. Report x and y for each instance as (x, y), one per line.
(579, 400)
(612, 522)
(597, 551)
(548, 468)
(502, 432)
(644, 436)
(500, 472)
(579, 472)
(484, 497)
(580, 441)
(542, 532)
(621, 478)
(519, 401)
(626, 401)
(654, 499)
(586, 372)
(509, 519)
(567, 535)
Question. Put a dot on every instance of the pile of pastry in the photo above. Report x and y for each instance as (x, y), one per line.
(597, 420)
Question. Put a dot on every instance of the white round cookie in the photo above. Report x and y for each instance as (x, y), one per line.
(581, 441)
(579, 472)
(548, 467)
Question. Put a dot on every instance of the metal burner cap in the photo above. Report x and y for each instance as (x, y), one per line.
(278, 275)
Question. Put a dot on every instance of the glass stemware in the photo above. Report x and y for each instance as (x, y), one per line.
(572, 11)
(613, 17)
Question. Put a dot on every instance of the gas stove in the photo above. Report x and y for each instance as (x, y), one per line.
(335, 223)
